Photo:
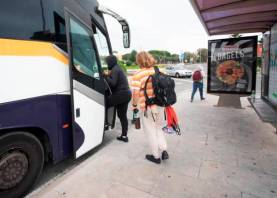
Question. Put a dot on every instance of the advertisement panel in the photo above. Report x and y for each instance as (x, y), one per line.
(232, 65)
(272, 87)
(265, 64)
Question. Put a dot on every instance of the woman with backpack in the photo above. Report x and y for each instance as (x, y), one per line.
(151, 115)
(197, 78)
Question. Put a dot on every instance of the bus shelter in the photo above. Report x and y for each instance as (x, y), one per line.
(223, 17)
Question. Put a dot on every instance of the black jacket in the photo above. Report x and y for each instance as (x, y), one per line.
(117, 80)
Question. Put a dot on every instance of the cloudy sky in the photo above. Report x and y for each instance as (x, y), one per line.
(157, 24)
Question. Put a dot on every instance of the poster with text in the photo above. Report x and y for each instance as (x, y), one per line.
(272, 87)
(232, 65)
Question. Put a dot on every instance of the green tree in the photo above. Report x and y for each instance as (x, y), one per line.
(202, 55)
(133, 56)
(161, 56)
(126, 57)
(174, 58)
(130, 58)
(190, 57)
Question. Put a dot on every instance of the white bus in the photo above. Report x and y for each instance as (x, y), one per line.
(49, 110)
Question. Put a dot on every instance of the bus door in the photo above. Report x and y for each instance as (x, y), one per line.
(102, 41)
(103, 49)
(87, 87)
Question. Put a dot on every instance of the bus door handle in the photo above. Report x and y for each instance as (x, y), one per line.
(78, 113)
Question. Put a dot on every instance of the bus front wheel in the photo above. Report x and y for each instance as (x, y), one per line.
(21, 163)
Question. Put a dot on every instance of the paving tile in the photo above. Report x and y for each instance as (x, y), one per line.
(228, 158)
(251, 181)
(173, 185)
(247, 195)
(141, 174)
(251, 160)
(43, 194)
(124, 191)
(182, 164)
(212, 171)
(177, 186)
(77, 186)
(269, 160)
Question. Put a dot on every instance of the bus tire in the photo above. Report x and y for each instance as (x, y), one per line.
(21, 163)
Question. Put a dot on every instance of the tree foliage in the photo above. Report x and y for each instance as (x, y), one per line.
(165, 57)
(130, 58)
(202, 55)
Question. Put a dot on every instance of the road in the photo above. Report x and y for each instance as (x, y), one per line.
(183, 85)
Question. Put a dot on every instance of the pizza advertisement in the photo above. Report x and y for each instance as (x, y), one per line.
(232, 65)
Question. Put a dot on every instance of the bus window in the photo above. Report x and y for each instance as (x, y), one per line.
(21, 20)
(60, 34)
(83, 53)
(102, 46)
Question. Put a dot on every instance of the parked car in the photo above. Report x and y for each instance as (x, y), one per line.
(178, 71)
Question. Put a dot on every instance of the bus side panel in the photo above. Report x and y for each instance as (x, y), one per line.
(40, 112)
(31, 69)
(65, 120)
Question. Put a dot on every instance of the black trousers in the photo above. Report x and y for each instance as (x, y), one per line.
(120, 101)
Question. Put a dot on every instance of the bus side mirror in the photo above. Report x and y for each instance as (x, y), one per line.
(126, 34)
(122, 21)
(126, 40)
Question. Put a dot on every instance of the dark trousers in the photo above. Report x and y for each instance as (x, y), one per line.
(195, 86)
(120, 101)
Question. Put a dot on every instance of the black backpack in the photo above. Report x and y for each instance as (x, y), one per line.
(163, 86)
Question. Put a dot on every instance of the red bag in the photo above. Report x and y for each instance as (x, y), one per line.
(197, 76)
(172, 119)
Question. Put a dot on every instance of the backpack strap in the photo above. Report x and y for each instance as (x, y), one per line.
(145, 92)
(157, 71)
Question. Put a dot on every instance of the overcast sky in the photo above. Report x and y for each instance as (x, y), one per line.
(157, 24)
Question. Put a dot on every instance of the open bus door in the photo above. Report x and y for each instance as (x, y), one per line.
(87, 87)
(88, 46)
(101, 37)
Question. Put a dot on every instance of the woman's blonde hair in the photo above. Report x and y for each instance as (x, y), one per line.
(145, 60)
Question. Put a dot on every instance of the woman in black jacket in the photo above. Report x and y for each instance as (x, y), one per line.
(121, 94)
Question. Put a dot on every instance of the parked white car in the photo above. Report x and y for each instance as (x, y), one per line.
(178, 71)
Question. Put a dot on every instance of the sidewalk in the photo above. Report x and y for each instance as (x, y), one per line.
(221, 153)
